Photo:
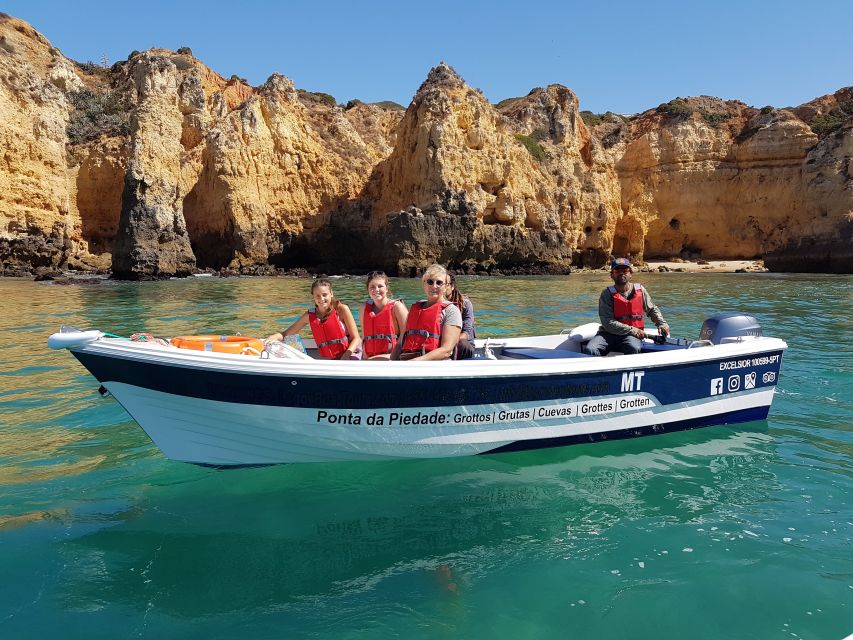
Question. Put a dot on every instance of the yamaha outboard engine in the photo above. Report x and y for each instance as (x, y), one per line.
(729, 325)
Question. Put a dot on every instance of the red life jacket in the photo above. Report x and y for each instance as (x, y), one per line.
(423, 328)
(329, 334)
(627, 311)
(380, 334)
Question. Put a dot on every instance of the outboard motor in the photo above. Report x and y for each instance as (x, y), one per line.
(728, 327)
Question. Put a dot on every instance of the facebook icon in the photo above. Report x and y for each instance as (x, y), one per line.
(716, 386)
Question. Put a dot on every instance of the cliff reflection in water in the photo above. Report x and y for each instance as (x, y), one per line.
(288, 535)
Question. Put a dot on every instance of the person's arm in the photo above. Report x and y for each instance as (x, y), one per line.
(295, 328)
(352, 331)
(449, 338)
(654, 313)
(398, 348)
(401, 315)
(468, 319)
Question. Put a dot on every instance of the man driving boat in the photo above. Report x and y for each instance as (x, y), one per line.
(621, 308)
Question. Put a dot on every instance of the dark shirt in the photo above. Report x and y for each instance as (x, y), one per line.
(468, 318)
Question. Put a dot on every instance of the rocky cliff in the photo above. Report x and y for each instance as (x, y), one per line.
(706, 177)
(158, 166)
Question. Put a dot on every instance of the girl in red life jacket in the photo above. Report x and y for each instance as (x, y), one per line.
(433, 325)
(331, 322)
(382, 319)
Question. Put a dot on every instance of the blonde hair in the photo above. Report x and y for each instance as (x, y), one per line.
(435, 270)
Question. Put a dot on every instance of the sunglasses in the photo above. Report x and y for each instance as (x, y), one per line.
(437, 283)
(375, 274)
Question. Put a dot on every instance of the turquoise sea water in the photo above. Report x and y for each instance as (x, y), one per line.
(725, 532)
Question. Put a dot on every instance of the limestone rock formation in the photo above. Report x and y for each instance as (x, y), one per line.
(270, 167)
(158, 166)
(36, 228)
(584, 187)
(152, 238)
(821, 240)
(522, 182)
(706, 177)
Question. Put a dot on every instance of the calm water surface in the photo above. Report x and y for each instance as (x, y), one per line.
(725, 532)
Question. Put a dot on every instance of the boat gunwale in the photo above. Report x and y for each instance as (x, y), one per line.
(475, 368)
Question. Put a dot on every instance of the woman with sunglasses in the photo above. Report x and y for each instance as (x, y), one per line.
(433, 325)
(382, 319)
(465, 347)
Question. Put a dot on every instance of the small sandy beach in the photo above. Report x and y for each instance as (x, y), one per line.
(713, 266)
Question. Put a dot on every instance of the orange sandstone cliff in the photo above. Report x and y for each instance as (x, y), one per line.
(158, 166)
(717, 178)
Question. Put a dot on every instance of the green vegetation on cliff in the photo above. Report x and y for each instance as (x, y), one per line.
(679, 110)
(96, 114)
(506, 102)
(317, 97)
(532, 146)
(825, 123)
(591, 119)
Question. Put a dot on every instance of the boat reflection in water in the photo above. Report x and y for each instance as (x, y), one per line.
(300, 536)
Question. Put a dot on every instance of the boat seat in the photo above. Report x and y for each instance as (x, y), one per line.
(651, 347)
(538, 353)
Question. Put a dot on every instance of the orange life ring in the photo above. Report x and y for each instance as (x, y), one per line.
(240, 345)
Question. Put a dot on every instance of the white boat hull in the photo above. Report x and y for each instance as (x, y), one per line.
(223, 433)
(218, 409)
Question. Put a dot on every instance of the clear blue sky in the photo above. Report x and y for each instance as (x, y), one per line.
(622, 56)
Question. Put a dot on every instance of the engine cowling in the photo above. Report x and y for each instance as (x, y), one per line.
(728, 327)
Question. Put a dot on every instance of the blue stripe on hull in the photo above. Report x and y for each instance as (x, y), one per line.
(669, 384)
(734, 417)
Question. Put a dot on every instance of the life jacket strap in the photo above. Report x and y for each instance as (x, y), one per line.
(381, 336)
(421, 332)
(335, 341)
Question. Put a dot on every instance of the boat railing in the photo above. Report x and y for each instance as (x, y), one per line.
(699, 343)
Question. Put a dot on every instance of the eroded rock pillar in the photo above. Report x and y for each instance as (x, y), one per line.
(152, 239)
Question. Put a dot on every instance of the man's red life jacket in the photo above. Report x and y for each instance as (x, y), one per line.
(627, 311)
(329, 334)
(423, 328)
(380, 334)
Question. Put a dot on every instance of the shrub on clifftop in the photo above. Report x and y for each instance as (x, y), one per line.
(97, 114)
(679, 110)
(506, 102)
(825, 123)
(317, 97)
(591, 119)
